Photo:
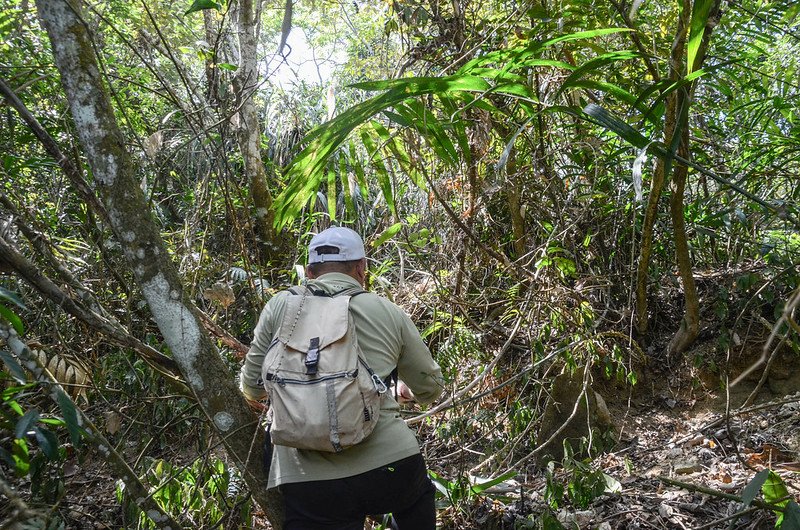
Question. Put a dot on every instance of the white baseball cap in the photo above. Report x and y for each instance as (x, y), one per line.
(349, 244)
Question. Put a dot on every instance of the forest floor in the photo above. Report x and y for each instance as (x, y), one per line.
(681, 462)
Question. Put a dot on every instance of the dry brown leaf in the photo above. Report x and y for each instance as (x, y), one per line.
(221, 293)
(68, 371)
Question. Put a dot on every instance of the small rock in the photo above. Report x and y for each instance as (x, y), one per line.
(697, 440)
(580, 518)
(688, 466)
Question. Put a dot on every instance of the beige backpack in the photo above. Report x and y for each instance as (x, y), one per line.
(323, 395)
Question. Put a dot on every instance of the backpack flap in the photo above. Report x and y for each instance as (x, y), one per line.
(322, 317)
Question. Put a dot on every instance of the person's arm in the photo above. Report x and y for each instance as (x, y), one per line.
(421, 377)
(250, 376)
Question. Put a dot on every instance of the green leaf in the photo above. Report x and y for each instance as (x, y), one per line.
(791, 517)
(70, 417)
(228, 66)
(517, 57)
(594, 64)
(384, 180)
(614, 124)
(24, 423)
(752, 489)
(332, 194)
(13, 319)
(200, 5)
(387, 234)
(13, 366)
(612, 485)
(774, 489)
(12, 297)
(47, 441)
(483, 486)
(345, 179)
(358, 169)
(700, 13)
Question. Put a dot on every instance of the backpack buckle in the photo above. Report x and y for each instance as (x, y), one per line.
(312, 357)
(378, 383)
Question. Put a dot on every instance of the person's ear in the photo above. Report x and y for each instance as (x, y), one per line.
(361, 270)
(309, 273)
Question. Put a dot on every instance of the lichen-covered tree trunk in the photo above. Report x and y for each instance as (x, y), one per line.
(133, 226)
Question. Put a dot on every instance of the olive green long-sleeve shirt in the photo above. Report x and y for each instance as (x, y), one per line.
(388, 338)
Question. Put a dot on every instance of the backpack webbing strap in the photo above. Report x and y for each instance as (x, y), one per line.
(312, 357)
(352, 291)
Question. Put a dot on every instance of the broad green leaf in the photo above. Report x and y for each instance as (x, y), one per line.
(70, 414)
(411, 86)
(431, 130)
(306, 170)
(753, 488)
(12, 318)
(459, 127)
(25, 422)
(700, 12)
(397, 118)
(47, 441)
(384, 180)
(387, 234)
(200, 5)
(13, 366)
(399, 152)
(774, 489)
(228, 66)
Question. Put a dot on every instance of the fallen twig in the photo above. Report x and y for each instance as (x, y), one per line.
(720, 494)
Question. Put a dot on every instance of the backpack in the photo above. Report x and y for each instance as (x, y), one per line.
(323, 394)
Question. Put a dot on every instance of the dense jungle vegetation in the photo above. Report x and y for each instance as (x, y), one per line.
(590, 208)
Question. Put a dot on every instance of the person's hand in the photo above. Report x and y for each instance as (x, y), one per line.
(256, 406)
(404, 394)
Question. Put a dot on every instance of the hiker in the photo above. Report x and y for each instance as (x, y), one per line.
(385, 472)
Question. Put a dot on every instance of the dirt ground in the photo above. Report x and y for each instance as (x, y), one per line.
(681, 462)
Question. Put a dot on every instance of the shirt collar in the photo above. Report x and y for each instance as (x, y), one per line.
(332, 282)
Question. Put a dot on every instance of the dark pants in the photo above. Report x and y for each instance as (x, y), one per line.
(401, 488)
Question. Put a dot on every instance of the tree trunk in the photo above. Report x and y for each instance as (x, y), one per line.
(134, 228)
(248, 134)
(690, 324)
